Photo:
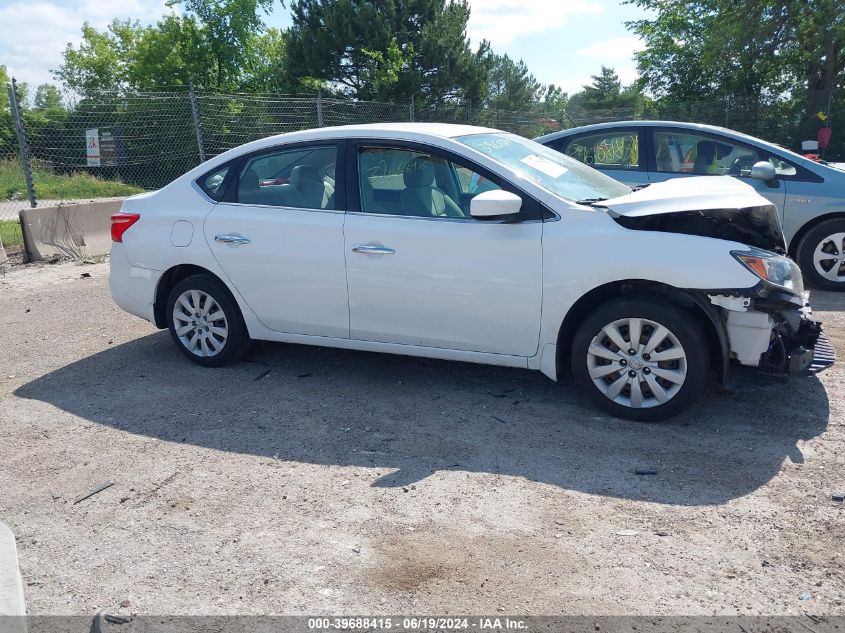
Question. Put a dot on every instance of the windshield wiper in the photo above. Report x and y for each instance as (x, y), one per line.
(590, 200)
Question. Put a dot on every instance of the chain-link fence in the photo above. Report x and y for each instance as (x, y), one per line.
(111, 144)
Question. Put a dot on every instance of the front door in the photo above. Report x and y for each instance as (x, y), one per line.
(422, 272)
(679, 153)
(280, 241)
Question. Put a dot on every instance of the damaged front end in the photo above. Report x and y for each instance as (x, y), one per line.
(772, 332)
(757, 226)
(768, 328)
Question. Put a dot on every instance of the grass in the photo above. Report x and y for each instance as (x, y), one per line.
(10, 233)
(49, 185)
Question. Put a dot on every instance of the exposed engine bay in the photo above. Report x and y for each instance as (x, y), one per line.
(756, 226)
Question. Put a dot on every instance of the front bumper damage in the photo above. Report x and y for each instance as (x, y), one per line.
(771, 332)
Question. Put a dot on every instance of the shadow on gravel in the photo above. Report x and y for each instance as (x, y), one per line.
(415, 417)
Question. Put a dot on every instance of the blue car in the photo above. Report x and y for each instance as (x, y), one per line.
(809, 196)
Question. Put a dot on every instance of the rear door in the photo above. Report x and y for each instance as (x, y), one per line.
(278, 236)
(422, 272)
(617, 152)
(679, 152)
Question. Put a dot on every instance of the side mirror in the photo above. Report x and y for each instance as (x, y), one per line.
(764, 171)
(494, 204)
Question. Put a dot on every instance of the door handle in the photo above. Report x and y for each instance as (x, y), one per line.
(232, 239)
(372, 249)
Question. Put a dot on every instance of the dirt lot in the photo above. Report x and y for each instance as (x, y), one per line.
(309, 480)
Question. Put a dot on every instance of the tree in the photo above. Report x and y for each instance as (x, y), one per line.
(219, 44)
(553, 100)
(510, 85)
(48, 98)
(756, 53)
(8, 142)
(606, 92)
(229, 33)
(387, 49)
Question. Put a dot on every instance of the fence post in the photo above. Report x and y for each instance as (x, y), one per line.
(469, 113)
(319, 110)
(21, 134)
(411, 109)
(196, 114)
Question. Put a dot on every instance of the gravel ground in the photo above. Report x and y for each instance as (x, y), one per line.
(309, 480)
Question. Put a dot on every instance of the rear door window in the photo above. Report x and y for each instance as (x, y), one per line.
(607, 150)
(300, 178)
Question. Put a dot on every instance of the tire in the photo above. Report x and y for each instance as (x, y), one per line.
(821, 255)
(207, 342)
(603, 368)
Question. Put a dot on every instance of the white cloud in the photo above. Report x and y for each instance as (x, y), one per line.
(572, 86)
(501, 21)
(614, 48)
(34, 34)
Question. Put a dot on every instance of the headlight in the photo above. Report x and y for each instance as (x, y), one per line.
(776, 269)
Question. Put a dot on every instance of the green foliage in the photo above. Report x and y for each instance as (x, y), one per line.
(767, 57)
(510, 85)
(11, 234)
(220, 44)
(553, 99)
(606, 92)
(387, 50)
(48, 98)
(51, 185)
(8, 143)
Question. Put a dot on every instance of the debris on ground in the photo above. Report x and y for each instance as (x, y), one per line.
(98, 489)
(627, 532)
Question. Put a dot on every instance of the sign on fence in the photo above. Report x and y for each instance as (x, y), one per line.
(92, 147)
(104, 148)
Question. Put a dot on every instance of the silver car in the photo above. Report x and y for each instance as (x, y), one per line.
(810, 196)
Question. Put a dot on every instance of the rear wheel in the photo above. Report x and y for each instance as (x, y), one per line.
(821, 255)
(641, 358)
(205, 322)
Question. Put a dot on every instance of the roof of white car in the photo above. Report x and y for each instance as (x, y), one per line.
(390, 130)
(426, 132)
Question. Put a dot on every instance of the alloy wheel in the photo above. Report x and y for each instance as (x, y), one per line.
(200, 323)
(829, 257)
(637, 363)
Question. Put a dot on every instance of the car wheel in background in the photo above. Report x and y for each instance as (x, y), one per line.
(641, 358)
(821, 255)
(205, 321)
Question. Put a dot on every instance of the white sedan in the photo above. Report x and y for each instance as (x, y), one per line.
(469, 244)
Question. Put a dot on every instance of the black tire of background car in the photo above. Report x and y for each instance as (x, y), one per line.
(806, 248)
(677, 320)
(238, 337)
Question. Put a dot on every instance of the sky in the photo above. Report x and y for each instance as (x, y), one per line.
(562, 41)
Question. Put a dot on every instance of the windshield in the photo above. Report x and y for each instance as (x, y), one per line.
(562, 175)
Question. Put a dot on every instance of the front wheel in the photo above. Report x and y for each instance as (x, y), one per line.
(821, 255)
(641, 358)
(205, 322)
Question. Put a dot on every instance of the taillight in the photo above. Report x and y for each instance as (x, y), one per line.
(120, 222)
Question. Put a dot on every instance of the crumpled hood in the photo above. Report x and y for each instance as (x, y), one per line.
(694, 193)
(719, 207)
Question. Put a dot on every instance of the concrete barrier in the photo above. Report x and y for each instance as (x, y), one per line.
(11, 587)
(76, 230)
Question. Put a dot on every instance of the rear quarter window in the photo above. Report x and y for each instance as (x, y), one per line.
(214, 182)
